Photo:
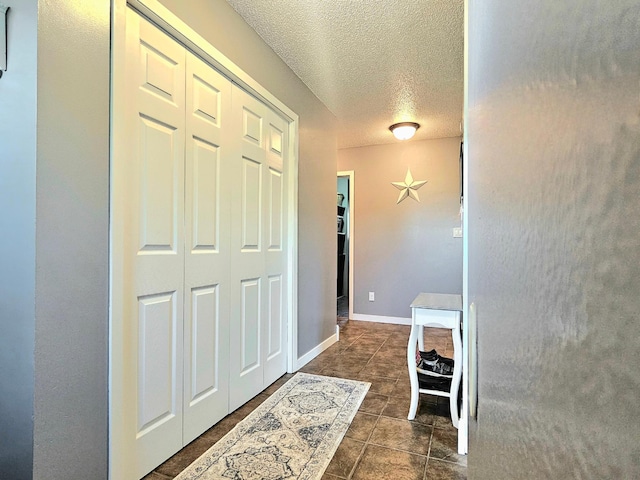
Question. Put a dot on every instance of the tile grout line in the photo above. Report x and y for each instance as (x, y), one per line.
(400, 450)
(163, 475)
(366, 443)
(426, 465)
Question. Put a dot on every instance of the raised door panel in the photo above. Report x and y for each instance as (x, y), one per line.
(276, 210)
(250, 326)
(205, 323)
(251, 188)
(157, 362)
(204, 184)
(153, 247)
(277, 142)
(275, 324)
(159, 164)
(207, 256)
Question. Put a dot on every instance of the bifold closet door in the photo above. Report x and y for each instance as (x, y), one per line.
(259, 263)
(200, 214)
(276, 263)
(153, 231)
(176, 274)
(207, 251)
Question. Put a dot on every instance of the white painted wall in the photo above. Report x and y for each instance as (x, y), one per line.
(54, 132)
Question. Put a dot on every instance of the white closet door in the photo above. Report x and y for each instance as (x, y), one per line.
(153, 247)
(200, 263)
(258, 274)
(275, 337)
(207, 255)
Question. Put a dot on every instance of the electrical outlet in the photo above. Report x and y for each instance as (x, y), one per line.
(457, 232)
(372, 296)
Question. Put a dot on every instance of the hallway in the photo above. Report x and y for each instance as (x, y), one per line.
(381, 443)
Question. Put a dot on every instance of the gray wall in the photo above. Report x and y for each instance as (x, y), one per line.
(403, 249)
(554, 231)
(54, 131)
(221, 26)
(17, 241)
(72, 221)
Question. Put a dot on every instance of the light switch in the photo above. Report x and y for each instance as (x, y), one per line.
(457, 232)
(372, 296)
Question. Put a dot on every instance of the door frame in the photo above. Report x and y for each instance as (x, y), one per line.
(163, 18)
(351, 175)
(468, 323)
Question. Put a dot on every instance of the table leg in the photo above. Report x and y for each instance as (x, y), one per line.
(421, 338)
(413, 373)
(457, 372)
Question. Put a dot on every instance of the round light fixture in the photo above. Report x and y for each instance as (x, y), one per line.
(404, 130)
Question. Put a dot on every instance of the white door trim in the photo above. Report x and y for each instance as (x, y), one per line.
(117, 469)
(292, 195)
(352, 222)
(463, 427)
(158, 14)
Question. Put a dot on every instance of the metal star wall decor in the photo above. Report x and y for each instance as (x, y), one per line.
(408, 188)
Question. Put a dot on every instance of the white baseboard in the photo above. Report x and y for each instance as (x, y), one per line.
(381, 319)
(314, 352)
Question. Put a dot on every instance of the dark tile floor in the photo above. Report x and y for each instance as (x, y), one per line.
(380, 443)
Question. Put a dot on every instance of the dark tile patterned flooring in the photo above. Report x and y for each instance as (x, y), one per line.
(380, 443)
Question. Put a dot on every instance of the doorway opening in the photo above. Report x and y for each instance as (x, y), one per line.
(345, 243)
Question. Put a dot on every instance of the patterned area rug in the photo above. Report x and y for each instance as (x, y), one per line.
(291, 435)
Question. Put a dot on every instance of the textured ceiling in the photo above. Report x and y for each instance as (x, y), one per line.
(372, 63)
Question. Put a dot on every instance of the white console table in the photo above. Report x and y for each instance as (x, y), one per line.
(440, 311)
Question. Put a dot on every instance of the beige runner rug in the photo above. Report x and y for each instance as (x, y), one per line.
(291, 435)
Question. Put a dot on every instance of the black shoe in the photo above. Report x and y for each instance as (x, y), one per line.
(433, 364)
(432, 355)
(430, 382)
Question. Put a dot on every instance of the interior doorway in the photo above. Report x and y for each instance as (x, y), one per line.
(344, 256)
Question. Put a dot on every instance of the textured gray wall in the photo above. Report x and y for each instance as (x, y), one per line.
(17, 241)
(554, 231)
(221, 26)
(72, 221)
(403, 249)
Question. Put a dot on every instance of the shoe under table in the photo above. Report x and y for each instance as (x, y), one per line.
(440, 311)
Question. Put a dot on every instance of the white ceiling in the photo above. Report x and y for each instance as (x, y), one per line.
(372, 63)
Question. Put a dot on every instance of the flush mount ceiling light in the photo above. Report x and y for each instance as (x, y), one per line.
(404, 130)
